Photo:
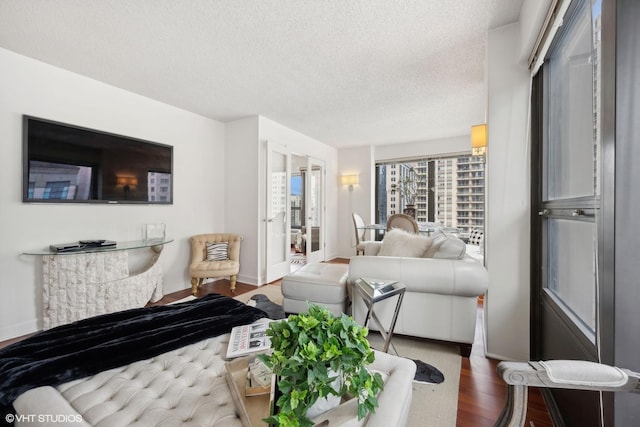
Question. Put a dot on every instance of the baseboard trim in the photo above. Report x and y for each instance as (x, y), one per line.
(500, 357)
(19, 329)
(249, 280)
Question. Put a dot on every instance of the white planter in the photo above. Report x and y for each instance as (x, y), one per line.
(324, 404)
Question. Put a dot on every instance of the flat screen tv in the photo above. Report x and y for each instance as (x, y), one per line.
(63, 163)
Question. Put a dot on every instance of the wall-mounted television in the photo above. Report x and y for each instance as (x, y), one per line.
(64, 163)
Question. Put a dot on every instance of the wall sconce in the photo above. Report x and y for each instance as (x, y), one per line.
(350, 180)
(127, 182)
(479, 140)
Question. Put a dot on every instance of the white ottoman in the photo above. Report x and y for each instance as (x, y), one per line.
(320, 283)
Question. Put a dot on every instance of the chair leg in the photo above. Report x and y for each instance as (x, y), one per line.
(514, 412)
(233, 278)
(195, 284)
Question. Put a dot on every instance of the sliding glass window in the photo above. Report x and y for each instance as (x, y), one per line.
(570, 169)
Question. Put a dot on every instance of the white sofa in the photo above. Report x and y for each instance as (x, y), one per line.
(442, 288)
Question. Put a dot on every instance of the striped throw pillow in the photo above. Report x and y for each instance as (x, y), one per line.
(217, 251)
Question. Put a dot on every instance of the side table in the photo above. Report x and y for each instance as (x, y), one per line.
(374, 290)
(96, 280)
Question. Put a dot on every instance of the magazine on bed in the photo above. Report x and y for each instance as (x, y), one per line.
(247, 339)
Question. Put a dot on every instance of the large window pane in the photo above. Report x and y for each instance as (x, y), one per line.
(572, 273)
(447, 191)
(573, 120)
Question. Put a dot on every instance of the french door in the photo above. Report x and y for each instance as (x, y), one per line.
(278, 219)
(315, 209)
(277, 225)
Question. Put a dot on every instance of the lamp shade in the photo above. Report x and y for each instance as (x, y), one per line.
(478, 139)
(126, 180)
(349, 179)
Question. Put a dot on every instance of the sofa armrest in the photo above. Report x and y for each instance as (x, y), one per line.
(395, 400)
(465, 277)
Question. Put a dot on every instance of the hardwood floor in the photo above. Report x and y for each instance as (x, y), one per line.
(481, 393)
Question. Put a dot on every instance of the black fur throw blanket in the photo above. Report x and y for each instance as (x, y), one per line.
(92, 345)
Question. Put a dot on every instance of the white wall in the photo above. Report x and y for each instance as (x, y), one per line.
(355, 161)
(34, 88)
(455, 145)
(241, 201)
(508, 198)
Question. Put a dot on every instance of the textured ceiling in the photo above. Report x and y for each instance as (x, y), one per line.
(345, 72)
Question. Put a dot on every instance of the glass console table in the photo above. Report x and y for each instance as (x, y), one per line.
(119, 246)
(96, 280)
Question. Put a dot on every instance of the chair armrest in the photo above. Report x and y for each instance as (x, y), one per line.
(568, 374)
(571, 374)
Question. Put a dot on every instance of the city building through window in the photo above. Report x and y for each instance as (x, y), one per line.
(447, 191)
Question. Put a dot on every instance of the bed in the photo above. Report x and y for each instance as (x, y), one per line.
(164, 366)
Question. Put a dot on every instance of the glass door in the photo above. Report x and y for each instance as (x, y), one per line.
(314, 210)
(278, 239)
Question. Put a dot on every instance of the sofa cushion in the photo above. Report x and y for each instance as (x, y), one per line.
(446, 246)
(398, 242)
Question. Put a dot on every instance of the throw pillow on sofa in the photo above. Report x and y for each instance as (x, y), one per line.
(446, 246)
(398, 242)
(476, 237)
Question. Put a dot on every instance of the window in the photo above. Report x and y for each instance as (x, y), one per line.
(570, 168)
(445, 189)
(162, 191)
(56, 190)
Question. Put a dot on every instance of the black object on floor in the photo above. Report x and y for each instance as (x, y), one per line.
(427, 374)
(273, 310)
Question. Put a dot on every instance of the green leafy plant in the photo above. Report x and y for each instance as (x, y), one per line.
(309, 351)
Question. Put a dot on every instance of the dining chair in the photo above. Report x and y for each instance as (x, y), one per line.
(358, 226)
(402, 221)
